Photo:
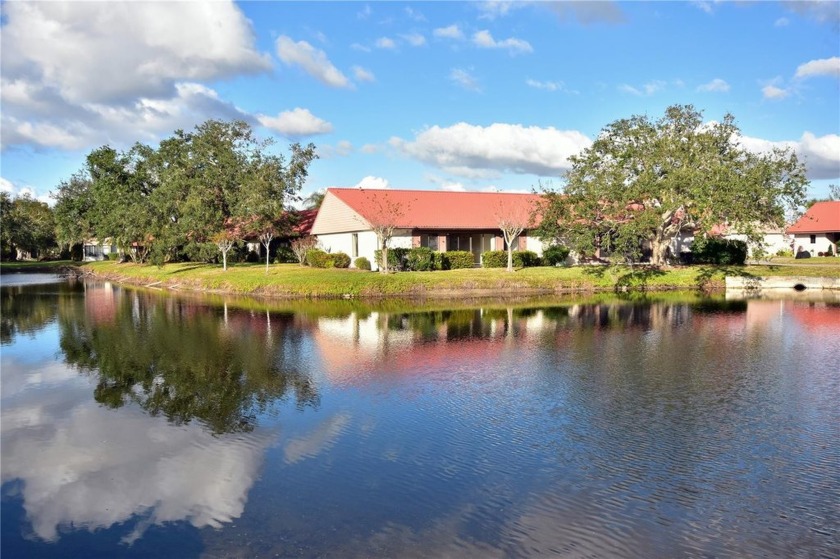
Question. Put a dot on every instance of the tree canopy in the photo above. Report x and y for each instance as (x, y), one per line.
(642, 182)
(171, 202)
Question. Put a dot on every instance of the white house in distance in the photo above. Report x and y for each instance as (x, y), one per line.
(819, 229)
(439, 220)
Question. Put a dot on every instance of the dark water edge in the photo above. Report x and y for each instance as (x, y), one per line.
(141, 424)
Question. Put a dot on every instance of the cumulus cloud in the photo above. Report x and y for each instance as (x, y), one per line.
(821, 154)
(313, 61)
(465, 79)
(583, 12)
(296, 123)
(821, 67)
(385, 43)
(481, 151)
(645, 90)
(15, 190)
(449, 32)
(717, 85)
(414, 39)
(149, 467)
(142, 48)
(820, 11)
(773, 92)
(513, 45)
(373, 183)
(53, 53)
(143, 120)
(363, 74)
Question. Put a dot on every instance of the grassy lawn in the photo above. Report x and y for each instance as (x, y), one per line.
(291, 280)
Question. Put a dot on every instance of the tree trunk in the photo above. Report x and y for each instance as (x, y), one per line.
(510, 258)
(224, 261)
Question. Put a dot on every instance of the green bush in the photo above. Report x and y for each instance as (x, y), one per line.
(498, 259)
(340, 260)
(457, 259)
(362, 263)
(555, 255)
(252, 256)
(829, 251)
(317, 258)
(396, 258)
(285, 255)
(711, 250)
(420, 259)
(785, 253)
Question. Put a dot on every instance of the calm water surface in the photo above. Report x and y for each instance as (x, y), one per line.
(139, 424)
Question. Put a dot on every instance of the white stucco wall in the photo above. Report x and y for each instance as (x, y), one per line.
(534, 244)
(343, 242)
(771, 243)
(821, 244)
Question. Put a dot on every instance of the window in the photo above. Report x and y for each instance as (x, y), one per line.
(429, 241)
(813, 239)
(355, 248)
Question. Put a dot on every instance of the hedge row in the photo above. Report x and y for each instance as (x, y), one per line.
(499, 258)
(422, 259)
(716, 251)
(317, 258)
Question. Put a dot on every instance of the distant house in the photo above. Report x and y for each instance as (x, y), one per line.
(440, 220)
(819, 229)
(93, 249)
(301, 221)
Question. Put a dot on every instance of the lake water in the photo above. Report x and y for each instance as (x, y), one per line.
(138, 424)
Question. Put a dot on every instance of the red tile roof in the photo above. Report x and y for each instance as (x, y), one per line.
(305, 219)
(822, 217)
(439, 209)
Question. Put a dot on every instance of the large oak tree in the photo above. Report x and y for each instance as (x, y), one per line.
(643, 182)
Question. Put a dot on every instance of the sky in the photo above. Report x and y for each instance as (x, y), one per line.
(420, 95)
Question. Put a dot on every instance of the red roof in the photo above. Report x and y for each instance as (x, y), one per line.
(822, 217)
(305, 219)
(440, 209)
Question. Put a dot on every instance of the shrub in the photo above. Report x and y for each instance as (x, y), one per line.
(555, 255)
(498, 259)
(420, 259)
(340, 260)
(785, 253)
(285, 255)
(252, 256)
(317, 258)
(362, 263)
(829, 252)
(711, 250)
(396, 258)
(457, 259)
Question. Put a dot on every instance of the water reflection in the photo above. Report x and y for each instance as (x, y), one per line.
(686, 427)
(184, 360)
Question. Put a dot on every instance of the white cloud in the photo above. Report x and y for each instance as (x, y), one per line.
(485, 40)
(584, 12)
(296, 123)
(385, 43)
(821, 11)
(313, 61)
(704, 6)
(478, 151)
(547, 85)
(414, 15)
(646, 90)
(360, 48)
(414, 39)
(772, 92)
(370, 148)
(373, 183)
(449, 32)
(363, 75)
(464, 79)
(143, 48)
(7, 186)
(821, 154)
(717, 85)
(782, 22)
(822, 67)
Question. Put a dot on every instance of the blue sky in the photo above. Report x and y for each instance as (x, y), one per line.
(425, 95)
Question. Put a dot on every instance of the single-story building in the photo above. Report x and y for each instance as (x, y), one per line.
(819, 229)
(94, 250)
(440, 220)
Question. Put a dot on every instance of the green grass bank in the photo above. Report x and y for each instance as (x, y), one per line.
(293, 281)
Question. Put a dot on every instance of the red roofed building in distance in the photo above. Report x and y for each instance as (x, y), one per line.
(437, 219)
(819, 229)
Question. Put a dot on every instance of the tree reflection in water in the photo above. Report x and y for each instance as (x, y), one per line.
(185, 360)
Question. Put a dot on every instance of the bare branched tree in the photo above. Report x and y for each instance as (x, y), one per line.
(513, 219)
(301, 246)
(384, 216)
